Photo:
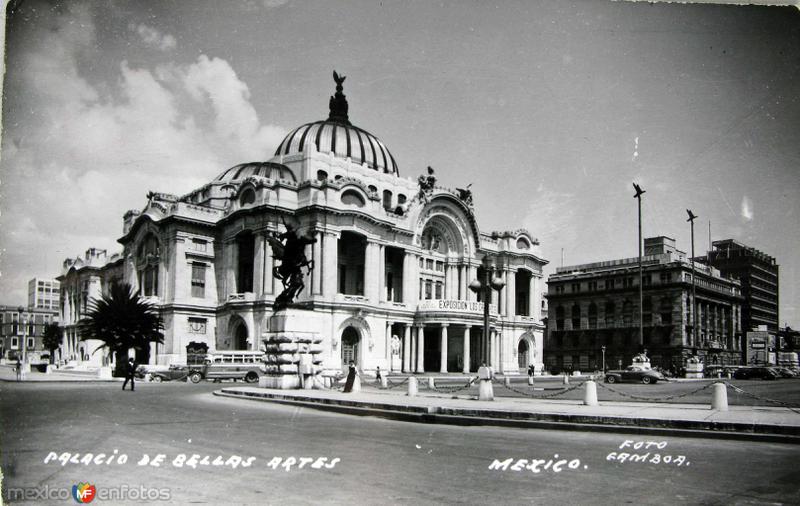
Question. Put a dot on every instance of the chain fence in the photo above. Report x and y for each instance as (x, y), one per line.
(391, 384)
(533, 395)
(455, 388)
(791, 407)
(654, 399)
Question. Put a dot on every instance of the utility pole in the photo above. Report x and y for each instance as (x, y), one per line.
(638, 197)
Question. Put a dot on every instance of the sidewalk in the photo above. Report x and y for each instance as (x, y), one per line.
(739, 422)
(8, 374)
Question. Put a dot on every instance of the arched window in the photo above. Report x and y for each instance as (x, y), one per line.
(352, 198)
(387, 199)
(322, 175)
(627, 313)
(522, 243)
(609, 316)
(560, 318)
(247, 197)
(576, 316)
(148, 259)
(592, 315)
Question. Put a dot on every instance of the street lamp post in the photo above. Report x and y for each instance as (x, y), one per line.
(638, 197)
(691, 219)
(603, 349)
(484, 287)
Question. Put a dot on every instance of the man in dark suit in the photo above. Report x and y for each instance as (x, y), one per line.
(130, 374)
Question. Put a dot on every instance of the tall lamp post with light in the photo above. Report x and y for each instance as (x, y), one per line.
(484, 288)
(603, 349)
(691, 219)
(638, 197)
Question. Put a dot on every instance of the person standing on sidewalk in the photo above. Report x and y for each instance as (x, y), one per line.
(130, 374)
(18, 369)
(351, 378)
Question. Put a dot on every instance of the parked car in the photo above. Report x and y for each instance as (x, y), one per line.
(765, 373)
(175, 372)
(635, 373)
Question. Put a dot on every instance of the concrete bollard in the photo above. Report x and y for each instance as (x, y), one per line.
(356, 384)
(719, 397)
(431, 383)
(530, 380)
(384, 382)
(485, 388)
(590, 394)
(412, 386)
(566, 379)
(507, 381)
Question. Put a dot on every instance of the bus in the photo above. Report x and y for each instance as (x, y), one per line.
(235, 365)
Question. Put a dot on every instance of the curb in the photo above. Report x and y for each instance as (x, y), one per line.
(526, 420)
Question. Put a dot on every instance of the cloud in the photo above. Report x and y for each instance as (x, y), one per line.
(92, 148)
(153, 37)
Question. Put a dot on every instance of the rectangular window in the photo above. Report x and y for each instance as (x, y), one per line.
(576, 287)
(14, 343)
(665, 277)
(428, 289)
(198, 280)
(440, 266)
(627, 282)
(592, 286)
(342, 278)
(438, 290)
(31, 345)
(197, 325)
(429, 264)
(560, 289)
(199, 245)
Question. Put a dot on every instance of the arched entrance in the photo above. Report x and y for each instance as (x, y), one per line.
(238, 334)
(350, 342)
(522, 354)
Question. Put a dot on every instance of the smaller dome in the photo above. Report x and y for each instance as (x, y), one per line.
(264, 169)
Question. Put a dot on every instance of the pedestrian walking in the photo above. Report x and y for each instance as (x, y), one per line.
(18, 369)
(130, 374)
(351, 378)
(378, 377)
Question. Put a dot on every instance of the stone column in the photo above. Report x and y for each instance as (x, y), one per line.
(330, 260)
(511, 293)
(533, 299)
(470, 277)
(407, 348)
(413, 356)
(443, 362)
(420, 348)
(231, 249)
(466, 349)
(266, 285)
(500, 352)
(370, 270)
(381, 273)
(258, 264)
(316, 274)
(387, 343)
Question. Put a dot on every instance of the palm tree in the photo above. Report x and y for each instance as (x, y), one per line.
(123, 320)
(51, 338)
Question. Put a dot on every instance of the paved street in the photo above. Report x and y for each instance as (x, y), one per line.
(379, 460)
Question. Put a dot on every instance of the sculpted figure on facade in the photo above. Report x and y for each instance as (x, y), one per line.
(289, 248)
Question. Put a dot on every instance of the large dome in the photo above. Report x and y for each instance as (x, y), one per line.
(338, 136)
(264, 169)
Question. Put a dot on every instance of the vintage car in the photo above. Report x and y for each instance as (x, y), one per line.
(175, 372)
(635, 373)
(765, 373)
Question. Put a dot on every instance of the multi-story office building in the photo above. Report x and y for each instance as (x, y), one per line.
(393, 260)
(594, 311)
(758, 274)
(43, 294)
(22, 329)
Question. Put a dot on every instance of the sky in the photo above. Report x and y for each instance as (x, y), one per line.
(551, 109)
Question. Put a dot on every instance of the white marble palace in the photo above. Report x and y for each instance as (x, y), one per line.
(393, 261)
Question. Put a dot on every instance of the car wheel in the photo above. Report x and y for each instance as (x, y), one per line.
(251, 377)
(611, 379)
(156, 379)
(647, 380)
(195, 377)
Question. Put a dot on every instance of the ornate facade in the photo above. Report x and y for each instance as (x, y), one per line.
(393, 259)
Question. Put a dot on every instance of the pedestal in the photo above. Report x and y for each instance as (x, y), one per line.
(293, 347)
